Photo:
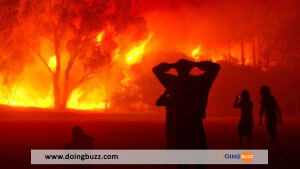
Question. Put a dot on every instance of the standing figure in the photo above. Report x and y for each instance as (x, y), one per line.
(246, 123)
(189, 97)
(270, 107)
(165, 100)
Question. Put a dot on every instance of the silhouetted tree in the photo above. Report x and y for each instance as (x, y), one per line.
(73, 25)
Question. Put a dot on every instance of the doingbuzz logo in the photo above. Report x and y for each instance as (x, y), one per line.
(246, 156)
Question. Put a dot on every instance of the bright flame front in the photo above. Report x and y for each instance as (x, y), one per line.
(52, 63)
(196, 54)
(135, 55)
(100, 36)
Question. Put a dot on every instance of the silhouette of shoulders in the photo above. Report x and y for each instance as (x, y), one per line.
(80, 140)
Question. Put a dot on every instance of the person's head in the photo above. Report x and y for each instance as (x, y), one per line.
(183, 67)
(77, 131)
(265, 91)
(245, 95)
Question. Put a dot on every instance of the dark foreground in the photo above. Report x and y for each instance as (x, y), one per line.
(22, 131)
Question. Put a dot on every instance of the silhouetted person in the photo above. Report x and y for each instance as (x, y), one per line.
(79, 141)
(165, 100)
(189, 96)
(246, 123)
(270, 107)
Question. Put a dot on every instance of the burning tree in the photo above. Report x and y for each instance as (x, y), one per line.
(85, 54)
(11, 59)
(83, 31)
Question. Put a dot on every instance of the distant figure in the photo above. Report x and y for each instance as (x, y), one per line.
(165, 100)
(246, 123)
(79, 141)
(270, 107)
(189, 96)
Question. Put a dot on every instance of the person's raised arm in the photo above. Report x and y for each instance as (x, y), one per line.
(162, 101)
(208, 66)
(160, 72)
(211, 69)
(236, 104)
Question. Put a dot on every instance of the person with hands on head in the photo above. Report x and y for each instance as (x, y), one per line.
(189, 97)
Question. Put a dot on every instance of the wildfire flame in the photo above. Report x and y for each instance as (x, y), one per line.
(24, 96)
(90, 102)
(135, 55)
(109, 64)
(100, 36)
(196, 54)
(116, 54)
(52, 62)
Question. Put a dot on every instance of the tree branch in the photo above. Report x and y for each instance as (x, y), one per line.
(43, 60)
(83, 79)
(106, 39)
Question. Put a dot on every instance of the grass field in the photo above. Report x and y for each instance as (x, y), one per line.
(23, 130)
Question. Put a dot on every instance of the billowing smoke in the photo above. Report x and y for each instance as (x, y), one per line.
(98, 54)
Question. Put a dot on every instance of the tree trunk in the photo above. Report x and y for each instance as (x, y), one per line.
(254, 51)
(56, 86)
(259, 51)
(243, 53)
(65, 94)
(229, 52)
(56, 91)
(66, 89)
(107, 87)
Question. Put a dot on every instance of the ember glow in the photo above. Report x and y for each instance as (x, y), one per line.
(88, 54)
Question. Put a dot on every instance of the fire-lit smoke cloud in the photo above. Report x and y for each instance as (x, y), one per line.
(108, 47)
(221, 27)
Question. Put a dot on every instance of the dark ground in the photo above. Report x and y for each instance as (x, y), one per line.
(22, 131)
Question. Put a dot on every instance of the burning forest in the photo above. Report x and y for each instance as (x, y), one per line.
(98, 54)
